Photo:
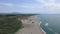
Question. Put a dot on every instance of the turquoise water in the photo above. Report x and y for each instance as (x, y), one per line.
(50, 23)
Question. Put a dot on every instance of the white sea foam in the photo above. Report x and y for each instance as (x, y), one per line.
(40, 22)
(50, 29)
(56, 33)
(41, 28)
(46, 24)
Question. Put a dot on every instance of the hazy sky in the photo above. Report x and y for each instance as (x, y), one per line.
(30, 6)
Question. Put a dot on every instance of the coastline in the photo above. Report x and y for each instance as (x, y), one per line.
(41, 28)
(39, 22)
(29, 27)
(39, 25)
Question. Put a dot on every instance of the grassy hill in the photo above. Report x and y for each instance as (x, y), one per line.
(9, 24)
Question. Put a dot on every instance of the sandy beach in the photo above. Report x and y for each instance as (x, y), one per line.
(31, 26)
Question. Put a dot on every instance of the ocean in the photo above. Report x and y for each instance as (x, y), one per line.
(50, 23)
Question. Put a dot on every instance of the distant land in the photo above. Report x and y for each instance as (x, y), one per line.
(18, 13)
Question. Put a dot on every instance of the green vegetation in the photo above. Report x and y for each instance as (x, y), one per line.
(9, 24)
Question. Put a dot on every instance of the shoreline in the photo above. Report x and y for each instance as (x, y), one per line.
(29, 27)
(41, 28)
(39, 25)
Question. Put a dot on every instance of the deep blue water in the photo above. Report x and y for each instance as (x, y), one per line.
(50, 23)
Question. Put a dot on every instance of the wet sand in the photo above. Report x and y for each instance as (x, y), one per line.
(31, 26)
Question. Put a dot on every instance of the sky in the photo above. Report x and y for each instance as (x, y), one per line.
(30, 6)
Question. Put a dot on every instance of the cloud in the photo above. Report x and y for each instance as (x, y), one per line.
(51, 6)
(6, 4)
(42, 6)
(26, 8)
(49, 3)
(18, 5)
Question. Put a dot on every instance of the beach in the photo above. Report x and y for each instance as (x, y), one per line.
(31, 26)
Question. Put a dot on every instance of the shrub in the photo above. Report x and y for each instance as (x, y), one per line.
(9, 25)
